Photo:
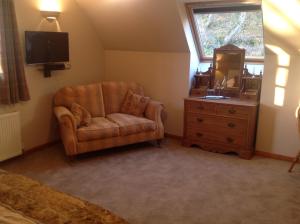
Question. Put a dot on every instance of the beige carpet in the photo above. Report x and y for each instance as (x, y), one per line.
(173, 184)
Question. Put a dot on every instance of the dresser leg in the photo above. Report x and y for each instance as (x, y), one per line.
(245, 154)
(71, 159)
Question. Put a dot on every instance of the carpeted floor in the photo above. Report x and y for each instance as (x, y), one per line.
(172, 184)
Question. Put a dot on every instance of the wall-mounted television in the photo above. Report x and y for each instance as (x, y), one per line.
(46, 47)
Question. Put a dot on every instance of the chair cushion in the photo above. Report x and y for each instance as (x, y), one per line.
(81, 115)
(114, 94)
(134, 104)
(99, 128)
(130, 124)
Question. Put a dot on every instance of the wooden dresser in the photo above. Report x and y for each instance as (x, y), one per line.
(227, 125)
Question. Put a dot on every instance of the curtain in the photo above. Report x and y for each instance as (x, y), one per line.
(13, 86)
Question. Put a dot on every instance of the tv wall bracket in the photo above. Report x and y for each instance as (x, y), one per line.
(48, 68)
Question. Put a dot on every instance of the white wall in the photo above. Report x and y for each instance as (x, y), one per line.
(163, 75)
(137, 25)
(278, 127)
(86, 57)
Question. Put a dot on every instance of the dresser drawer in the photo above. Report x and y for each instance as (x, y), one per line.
(232, 111)
(199, 134)
(201, 107)
(217, 123)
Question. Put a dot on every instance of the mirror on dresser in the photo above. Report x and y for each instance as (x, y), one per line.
(228, 64)
(227, 76)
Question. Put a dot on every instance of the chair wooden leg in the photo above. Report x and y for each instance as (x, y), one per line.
(158, 142)
(294, 162)
(71, 159)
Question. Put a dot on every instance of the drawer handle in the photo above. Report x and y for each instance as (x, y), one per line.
(199, 135)
(232, 111)
(231, 125)
(200, 107)
(230, 140)
(200, 120)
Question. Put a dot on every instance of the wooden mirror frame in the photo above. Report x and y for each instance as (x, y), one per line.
(229, 49)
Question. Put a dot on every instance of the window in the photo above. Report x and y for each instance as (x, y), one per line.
(215, 26)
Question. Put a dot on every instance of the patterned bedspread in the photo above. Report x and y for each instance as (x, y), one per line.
(8, 216)
(23, 200)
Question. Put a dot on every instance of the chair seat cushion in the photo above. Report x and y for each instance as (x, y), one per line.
(99, 128)
(130, 124)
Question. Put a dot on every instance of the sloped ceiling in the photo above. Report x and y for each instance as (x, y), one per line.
(137, 25)
(282, 24)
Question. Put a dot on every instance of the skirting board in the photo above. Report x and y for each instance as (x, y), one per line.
(40, 147)
(274, 156)
(32, 150)
(258, 153)
(173, 136)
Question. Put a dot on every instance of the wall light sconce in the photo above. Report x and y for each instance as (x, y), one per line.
(50, 15)
(50, 9)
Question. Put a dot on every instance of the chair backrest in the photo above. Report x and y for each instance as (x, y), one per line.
(99, 99)
(114, 94)
(88, 96)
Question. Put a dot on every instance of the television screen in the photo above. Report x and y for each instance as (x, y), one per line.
(46, 47)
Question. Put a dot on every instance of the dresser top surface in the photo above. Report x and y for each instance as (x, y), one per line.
(230, 101)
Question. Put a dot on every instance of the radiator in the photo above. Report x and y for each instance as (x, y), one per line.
(10, 136)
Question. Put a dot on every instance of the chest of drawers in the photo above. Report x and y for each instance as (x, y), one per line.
(221, 125)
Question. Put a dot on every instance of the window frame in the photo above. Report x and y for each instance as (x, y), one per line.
(234, 4)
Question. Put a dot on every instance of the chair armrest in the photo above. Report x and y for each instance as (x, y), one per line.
(155, 111)
(67, 126)
(63, 113)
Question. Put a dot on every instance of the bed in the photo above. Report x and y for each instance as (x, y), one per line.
(23, 200)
